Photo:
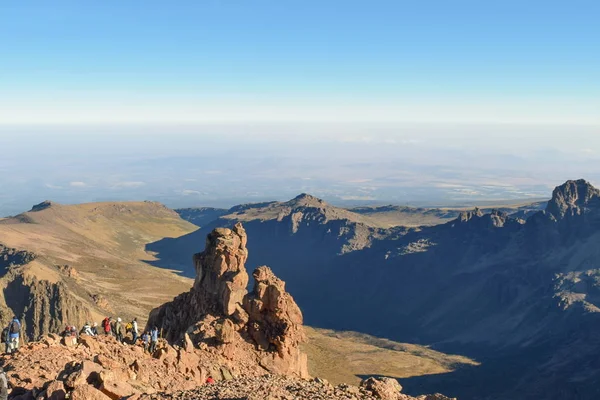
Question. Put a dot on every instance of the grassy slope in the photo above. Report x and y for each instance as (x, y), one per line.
(343, 357)
(105, 243)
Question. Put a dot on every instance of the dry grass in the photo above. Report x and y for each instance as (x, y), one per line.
(341, 357)
(105, 243)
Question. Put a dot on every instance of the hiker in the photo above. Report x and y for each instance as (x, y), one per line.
(210, 380)
(87, 330)
(70, 335)
(153, 339)
(113, 327)
(5, 339)
(67, 332)
(146, 340)
(95, 329)
(14, 332)
(3, 385)
(134, 330)
(106, 326)
(119, 330)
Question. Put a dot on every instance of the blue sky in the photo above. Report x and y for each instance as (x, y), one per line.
(191, 61)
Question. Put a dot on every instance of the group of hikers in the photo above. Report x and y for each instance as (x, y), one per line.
(11, 335)
(117, 329)
(109, 327)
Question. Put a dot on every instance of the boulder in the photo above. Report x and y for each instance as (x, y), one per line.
(87, 392)
(90, 343)
(117, 390)
(56, 391)
(225, 331)
(187, 343)
(383, 388)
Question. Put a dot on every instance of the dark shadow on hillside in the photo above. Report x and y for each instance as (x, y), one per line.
(177, 253)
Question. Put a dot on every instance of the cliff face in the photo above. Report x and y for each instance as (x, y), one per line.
(43, 306)
(265, 325)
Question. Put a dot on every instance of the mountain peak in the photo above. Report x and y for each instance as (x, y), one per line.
(42, 206)
(572, 198)
(306, 199)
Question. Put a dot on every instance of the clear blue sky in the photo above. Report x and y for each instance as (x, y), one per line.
(271, 60)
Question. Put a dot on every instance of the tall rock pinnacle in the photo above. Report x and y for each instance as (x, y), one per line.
(262, 327)
(221, 277)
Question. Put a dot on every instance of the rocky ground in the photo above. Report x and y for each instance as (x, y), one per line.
(100, 368)
(273, 387)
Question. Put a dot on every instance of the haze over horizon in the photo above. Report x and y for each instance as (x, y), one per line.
(217, 103)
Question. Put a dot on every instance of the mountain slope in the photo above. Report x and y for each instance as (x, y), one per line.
(84, 262)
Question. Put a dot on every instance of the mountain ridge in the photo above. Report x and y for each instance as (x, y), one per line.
(498, 288)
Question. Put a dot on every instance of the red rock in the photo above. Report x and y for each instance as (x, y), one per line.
(117, 390)
(87, 392)
(383, 388)
(56, 391)
(91, 343)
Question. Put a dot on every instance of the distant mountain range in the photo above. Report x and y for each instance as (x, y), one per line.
(520, 292)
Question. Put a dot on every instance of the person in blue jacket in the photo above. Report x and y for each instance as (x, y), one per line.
(14, 334)
(153, 339)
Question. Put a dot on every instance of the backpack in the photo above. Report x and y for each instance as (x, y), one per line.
(128, 327)
(14, 327)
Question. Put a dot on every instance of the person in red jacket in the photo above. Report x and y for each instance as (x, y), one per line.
(106, 326)
(210, 380)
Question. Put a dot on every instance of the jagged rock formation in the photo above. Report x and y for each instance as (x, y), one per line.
(265, 325)
(10, 257)
(219, 287)
(573, 198)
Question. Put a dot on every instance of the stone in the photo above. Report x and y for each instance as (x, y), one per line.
(90, 343)
(226, 331)
(117, 390)
(382, 388)
(87, 392)
(187, 343)
(56, 391)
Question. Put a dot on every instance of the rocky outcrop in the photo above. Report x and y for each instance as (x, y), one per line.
(573, 198)
(275, 322)
(219, 287)
(42, 306)
(10, 257)
(264, 326)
